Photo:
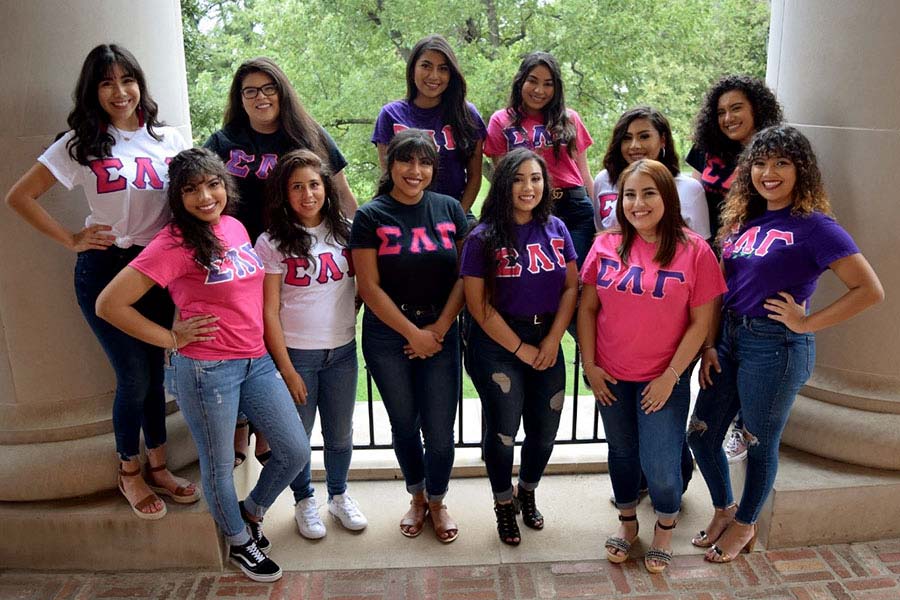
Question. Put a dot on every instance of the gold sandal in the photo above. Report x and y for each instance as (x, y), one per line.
(702, 539)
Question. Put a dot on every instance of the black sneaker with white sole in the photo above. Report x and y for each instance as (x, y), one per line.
(256, 532)
(255, 565)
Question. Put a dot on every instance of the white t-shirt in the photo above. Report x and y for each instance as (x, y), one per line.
(126, 190)
(318, 295)
(690, 194)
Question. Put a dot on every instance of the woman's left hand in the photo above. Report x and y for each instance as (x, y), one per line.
(548, 350)
(787, 311)
(435, 330)
(657, 392)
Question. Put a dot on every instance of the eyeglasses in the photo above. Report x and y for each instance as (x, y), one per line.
(270, 89)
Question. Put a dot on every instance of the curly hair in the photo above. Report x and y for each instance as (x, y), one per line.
(283, 224)
(708, 136)
(404, 146)
(453, 100)
(187, 167)
(614, 162)
(745, 203)
(294, 121)
(88, 120)
(497, 212)
(556, 120)
(670, 228)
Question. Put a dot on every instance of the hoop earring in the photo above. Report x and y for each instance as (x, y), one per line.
(663, 153)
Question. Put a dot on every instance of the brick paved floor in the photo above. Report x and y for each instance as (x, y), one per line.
(862, 571)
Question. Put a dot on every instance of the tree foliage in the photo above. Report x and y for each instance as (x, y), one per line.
(346, 58)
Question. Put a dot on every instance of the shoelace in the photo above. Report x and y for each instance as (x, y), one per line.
(349, 507)
(311, 514)
(254, 551)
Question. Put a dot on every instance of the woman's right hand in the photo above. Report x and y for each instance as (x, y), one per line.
(295, 385)
(423, 343)
(529, 354)
(709, 359)
(92, 238)
(598, 378)
(195, 329)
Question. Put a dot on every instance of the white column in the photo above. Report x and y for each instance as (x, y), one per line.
(834, 66)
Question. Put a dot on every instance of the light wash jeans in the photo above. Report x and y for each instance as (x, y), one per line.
(210, 393)
(330, 377)
(653, 442)
(764, 365)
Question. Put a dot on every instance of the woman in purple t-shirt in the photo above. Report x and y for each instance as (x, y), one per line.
(777, 237)
(521, 283)
(436, 102)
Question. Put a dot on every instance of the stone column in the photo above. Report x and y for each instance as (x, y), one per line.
(834, 67)
(56, 386)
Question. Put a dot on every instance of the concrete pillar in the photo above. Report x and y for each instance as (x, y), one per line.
(56, 386)
(834, 66)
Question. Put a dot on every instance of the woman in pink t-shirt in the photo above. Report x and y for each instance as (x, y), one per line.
(647, 303)
(218, 362)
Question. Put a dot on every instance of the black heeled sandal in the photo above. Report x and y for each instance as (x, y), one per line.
(525, 503)
(507, 527)
(614, 542)
(658, 554)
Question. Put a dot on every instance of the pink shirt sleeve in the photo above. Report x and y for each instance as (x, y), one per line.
(164, 259)
(495, 142)
(583, 139)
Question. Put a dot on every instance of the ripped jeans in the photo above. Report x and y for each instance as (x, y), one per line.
(510, 392)
(764, 365)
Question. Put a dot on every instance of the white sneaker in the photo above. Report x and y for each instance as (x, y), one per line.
(344, 509)
(735, 446)
(310, 524)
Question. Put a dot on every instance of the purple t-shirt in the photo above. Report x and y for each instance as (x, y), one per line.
(529, 280)
(400, 115)
(780, 252)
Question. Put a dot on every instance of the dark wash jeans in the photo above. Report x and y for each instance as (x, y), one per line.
(512, 392)
(764, 365)
(577, 213)
(420, 396)
(139, 402)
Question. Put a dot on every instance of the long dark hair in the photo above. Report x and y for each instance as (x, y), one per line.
(556, 121)
(188, 166)
(453, 100)
(405, 145)
(294, 121)
(744, 202)
(708, 136)
(88, 120)
(670, 227)
(614, 162)
(283, 224)
(497, 212)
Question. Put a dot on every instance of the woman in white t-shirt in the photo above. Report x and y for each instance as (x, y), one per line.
(310, 318)
(118, 152)
(644, 132)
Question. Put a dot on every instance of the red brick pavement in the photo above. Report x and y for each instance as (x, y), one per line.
(863, 571)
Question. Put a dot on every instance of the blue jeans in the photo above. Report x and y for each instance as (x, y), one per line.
(210, 393)
(512, 392)
(330, 378)
(653, 441)
(420, 396)
(139, 402)
(764, 365)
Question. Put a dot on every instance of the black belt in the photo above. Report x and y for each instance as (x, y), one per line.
(419, 309)
(538, 319)
(577, 192)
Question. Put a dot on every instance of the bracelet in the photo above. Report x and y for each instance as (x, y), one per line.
(516, 351)
(707, 347)
(677, 376)
(174, 340)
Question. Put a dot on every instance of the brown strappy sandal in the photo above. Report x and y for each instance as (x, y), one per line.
(445, 528)
(149, 499)
(182, 494)
(413, 522)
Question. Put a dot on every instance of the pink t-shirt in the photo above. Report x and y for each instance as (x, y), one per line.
(232, 290)
(503, 137)
(645, 309)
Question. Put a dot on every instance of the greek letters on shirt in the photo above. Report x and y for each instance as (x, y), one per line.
(444, 141)
(607, 203)
(109, 178)
(631, 280)
(517, 137)
(749, 244)
(239, 160)
(238, 262)
(537, 259)
(299, 272)
(715, 176)
(417, 240)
